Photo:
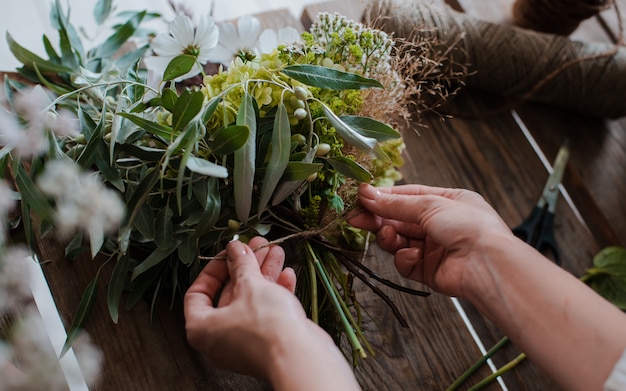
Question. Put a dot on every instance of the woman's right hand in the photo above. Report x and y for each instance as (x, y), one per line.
(436, 234)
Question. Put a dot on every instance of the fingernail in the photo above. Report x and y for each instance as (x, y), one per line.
(236, 247)
(368, 191)
(412, 254)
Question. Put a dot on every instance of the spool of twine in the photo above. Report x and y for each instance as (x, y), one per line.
(517, 63)
(555, 16)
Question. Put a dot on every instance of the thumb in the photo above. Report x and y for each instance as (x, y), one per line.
(241, 261)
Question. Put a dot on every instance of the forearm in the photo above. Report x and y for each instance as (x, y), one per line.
(570, 332)
(308, 360)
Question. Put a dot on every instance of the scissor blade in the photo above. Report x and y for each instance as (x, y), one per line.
(551, 189)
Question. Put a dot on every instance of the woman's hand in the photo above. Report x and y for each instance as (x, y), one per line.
(434, 233)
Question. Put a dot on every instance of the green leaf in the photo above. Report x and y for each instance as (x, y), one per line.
(154, 259)
(30, 194)
(168, 99)
(82, 313)
(133, 205)
(322, 77)
(287, 188)
(179, 66)
(116, 286)
(96, 238)
(205, 167)
(164, 232)
(209, 109)
(350, 168)
(102, 10)
(144, 221)
(186, 108)
(369, 127)
(74, 247)
(366, 144)
(188, 249)
(29, 58)
(119, 37)
(300, 171)
(279, 156)
(608, 275)
(229, 139)
(212, 207)
(243, 175)
(157, 129)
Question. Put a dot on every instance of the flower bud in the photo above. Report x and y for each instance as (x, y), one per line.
(296, 103)
(301, 93)
(300, 113)
(234, 225)
(298, 138)
(322, 149)
(311, 177)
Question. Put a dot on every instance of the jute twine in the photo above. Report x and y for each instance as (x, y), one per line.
(555, 16)
(518, 63)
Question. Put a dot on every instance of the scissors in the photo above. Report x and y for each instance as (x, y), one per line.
(538, 228)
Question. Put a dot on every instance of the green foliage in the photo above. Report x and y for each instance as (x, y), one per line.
(608, 275)
(244, 145)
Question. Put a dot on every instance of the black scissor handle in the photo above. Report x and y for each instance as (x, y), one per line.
(538, 231)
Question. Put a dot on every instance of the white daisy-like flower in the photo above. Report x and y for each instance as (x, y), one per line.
(270, 39)
(183, 39)
(237, 41)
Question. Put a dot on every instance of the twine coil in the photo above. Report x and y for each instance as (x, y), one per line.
(555, 16)
(518, 63)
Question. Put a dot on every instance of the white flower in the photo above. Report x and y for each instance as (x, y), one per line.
(83, 202)
(236, 40)
(7, 199)
(14, 278)
(270, 39)
(182, 39)
(64, 123)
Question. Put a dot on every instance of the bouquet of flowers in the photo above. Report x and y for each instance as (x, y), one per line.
(155, 151)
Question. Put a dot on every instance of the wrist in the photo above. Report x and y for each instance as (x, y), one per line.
(306, 358)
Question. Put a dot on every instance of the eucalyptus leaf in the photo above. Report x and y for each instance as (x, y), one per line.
(144, 221)
(188, 249)
(102, 10)
(156, 257)
(210, 108)
(121, 35)
(300, 171)
(30, 194)
(369, 127)
(82, 313)
(279, 156)
(157, 129)
(96, 238)
(116, 286)
(350, 168)
(243, 175)
(29, 58)
(229, 139)
(212, 207)
(287, 188)
(366, 144)
(323, 77)
(187, 106)
(205, 167)
(164, 229)
(179, 66)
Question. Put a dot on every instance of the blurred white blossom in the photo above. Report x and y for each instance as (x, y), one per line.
(14, 277)
(183, 39)
(82, 200)
(270, 39)
(236, 40)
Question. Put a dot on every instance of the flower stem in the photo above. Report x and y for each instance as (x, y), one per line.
(471, 370)
(314, 299)
(354, 341)
(507, 367)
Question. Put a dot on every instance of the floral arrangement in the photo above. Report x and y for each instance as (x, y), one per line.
(154, 151)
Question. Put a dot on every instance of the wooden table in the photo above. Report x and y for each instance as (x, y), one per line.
(489, 154)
